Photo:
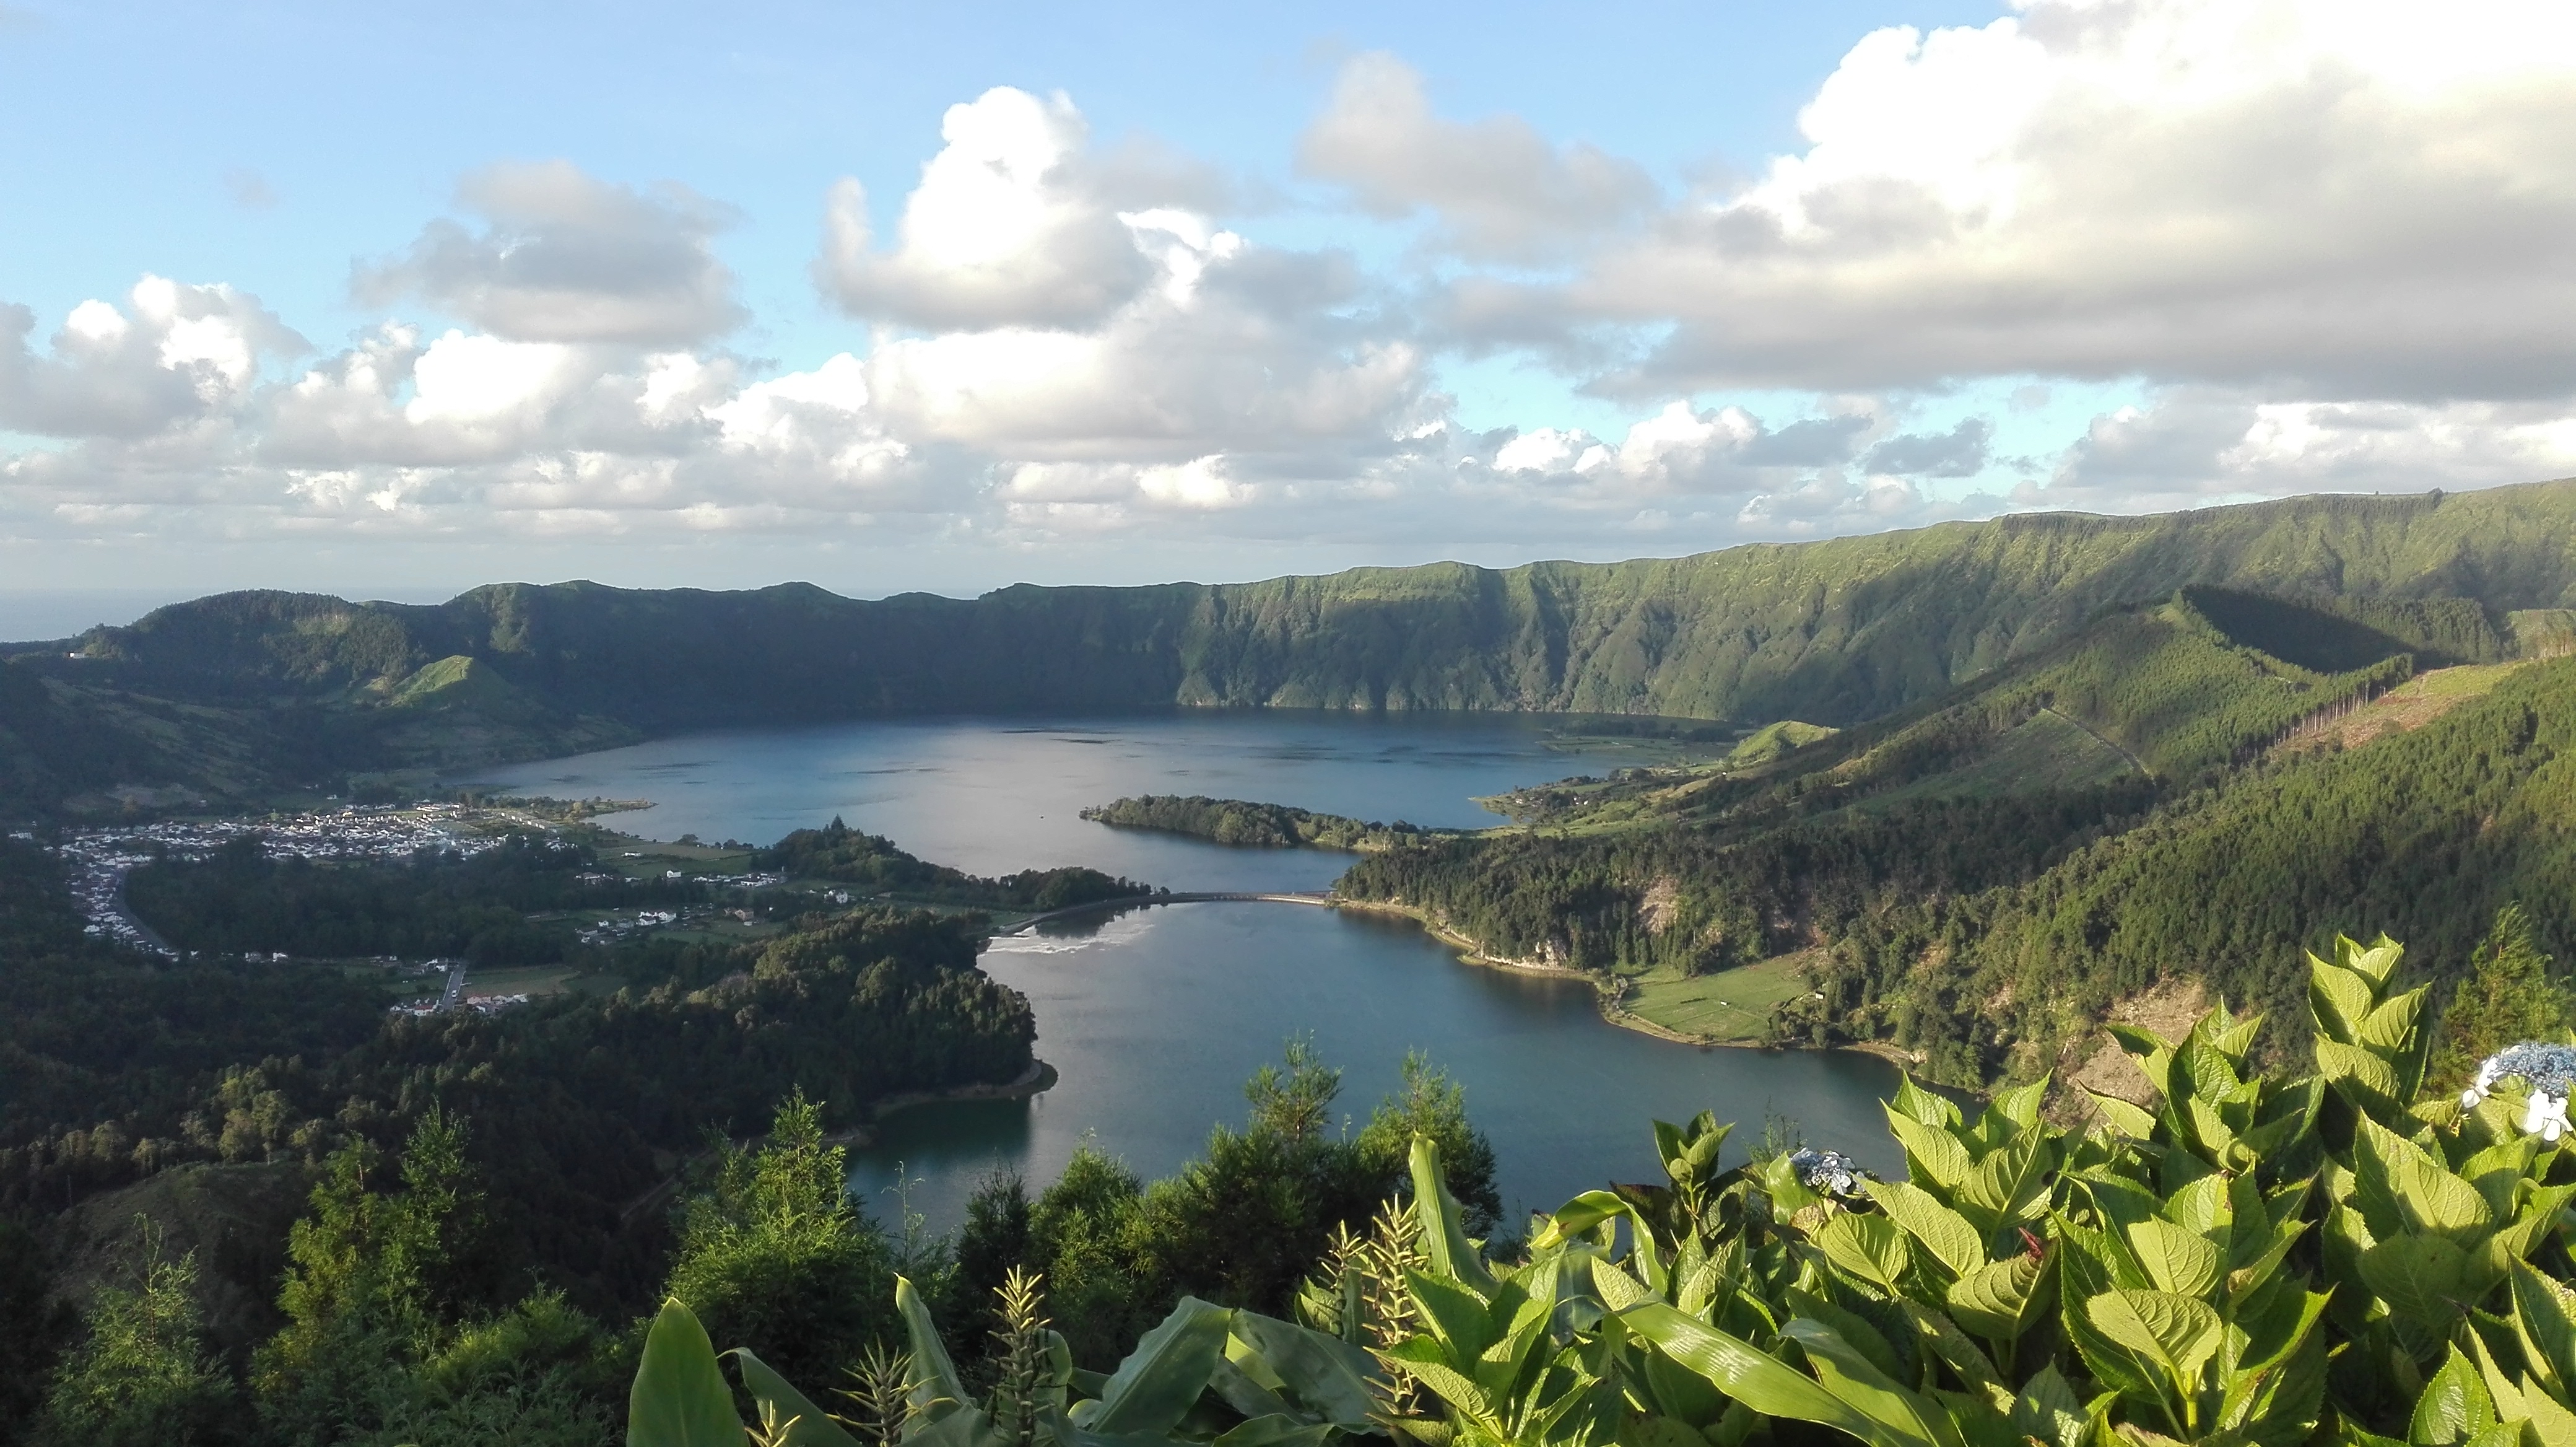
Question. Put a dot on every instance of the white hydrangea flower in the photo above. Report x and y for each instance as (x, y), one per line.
(2548, 1072)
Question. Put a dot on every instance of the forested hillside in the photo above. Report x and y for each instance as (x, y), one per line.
(1833, 633)
(1979, 879)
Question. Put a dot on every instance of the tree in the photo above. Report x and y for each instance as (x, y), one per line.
(1428, 1103)
(774, 1256)
(142, 1375)
(370, 1287)
(2511, 995)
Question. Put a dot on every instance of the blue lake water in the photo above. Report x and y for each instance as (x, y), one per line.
(1154, 1018)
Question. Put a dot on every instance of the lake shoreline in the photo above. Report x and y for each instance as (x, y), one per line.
(1039, 1078)
(1605, 999)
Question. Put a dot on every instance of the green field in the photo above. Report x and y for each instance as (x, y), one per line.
(520, 980)
(1726, 1006)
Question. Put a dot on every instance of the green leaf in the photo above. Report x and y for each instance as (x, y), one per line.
(1275, 1431)
(934, 1376)
(2012, 1182)
(2212, 1075)
(1849, 1325)
(2048, 1410)
(1244, 1388)
(1997, 1301)
(2454, 1405)
(1327, 1374)
(2176, 1332)
(1162, 1378)
(1444, 1240)
(2420, 1277)
(2341, 999)
(1868, 1247)
(2343, 1064)
(2544, 1315)
(2178, 1261)
(1457, 1316)
(2432, 1199)
(1950, 1238)
(1423, 1360)
(1760, 1382)
(2551, 1422)
(680, 1397)
(1850, 1375)
(2129, 1120)
(1929, 1107)
(2400, 1176)
(1588, 1211)
(1931, 1153)
(807, 1424)
(2020, 1105)
(2390, 1027)
(951, 1423)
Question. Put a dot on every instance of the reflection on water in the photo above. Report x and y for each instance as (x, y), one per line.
(1154, 1017)
(1155, 1020)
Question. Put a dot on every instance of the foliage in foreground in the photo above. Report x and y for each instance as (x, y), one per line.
(2253, 1261)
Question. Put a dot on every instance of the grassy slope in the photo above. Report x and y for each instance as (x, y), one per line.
(1729, 1007)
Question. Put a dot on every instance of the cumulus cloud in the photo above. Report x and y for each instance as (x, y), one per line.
(171, 355)
(1008, 227)
(1500, 189)
(2317, 246)
(2325, 198)
(1681, 449)
(566, 257)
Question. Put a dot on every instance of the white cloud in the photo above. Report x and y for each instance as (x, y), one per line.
(1008, 227)
(1725, 450)
(1500, 189)
(2320, 247)
(2337, 199)
(2195, 445)
(172, 355)
(569, 258)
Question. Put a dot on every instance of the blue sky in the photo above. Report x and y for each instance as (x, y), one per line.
(1290, 288)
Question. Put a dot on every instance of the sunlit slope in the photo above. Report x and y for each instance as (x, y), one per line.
(2424, 834)
(2159, 693)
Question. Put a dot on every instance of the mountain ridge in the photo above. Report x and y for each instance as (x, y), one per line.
(1833, 632)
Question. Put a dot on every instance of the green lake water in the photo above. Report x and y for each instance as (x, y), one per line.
(1154, 1018)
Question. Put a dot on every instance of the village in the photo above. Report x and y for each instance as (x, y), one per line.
(97, 861)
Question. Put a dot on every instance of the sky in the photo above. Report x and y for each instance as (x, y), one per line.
(392, 300)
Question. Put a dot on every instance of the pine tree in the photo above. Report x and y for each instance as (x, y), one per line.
(2511, 995)
(773, 1256)
(143, 1374)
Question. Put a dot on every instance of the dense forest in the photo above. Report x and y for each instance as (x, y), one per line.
(1979, 879)
(210, 1097)
(845, 855)
(1245, 824)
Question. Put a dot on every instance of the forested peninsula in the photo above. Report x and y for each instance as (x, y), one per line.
(1244, 823)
